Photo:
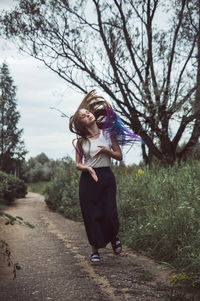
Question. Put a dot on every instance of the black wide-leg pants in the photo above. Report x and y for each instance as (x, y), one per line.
(98, 206)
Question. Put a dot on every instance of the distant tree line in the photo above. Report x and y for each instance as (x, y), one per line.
(41, 168)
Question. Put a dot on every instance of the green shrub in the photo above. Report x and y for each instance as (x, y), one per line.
(11, 187)
(62, 193)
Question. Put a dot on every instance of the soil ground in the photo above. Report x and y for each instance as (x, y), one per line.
(54, 260)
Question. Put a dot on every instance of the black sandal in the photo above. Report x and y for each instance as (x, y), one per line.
(95, 258)
(116, 246)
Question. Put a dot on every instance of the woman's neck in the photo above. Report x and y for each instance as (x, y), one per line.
(93, 130)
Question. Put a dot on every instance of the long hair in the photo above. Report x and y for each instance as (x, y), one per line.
(106, 119)
(96, 105)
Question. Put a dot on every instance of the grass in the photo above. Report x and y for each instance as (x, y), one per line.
(159, 213)
(3, 207)
(175, 296)
(145, 276)
(38, 187)
(134, 263)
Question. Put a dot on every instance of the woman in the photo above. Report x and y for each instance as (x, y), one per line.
(97, 188)
(99, 130)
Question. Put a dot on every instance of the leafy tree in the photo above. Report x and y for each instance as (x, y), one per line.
(145, 68)
(41, 168)
(42, 158)
(35, 171)
(12, 150)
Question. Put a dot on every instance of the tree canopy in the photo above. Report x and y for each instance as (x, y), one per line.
(149, 69)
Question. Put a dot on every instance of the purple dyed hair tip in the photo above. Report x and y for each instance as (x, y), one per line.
(113, 125)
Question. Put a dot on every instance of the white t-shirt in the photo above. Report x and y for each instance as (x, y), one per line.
(91, 147)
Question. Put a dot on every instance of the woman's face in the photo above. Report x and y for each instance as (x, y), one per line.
(86, 117)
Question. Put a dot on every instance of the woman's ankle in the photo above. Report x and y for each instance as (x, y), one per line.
(94, 250)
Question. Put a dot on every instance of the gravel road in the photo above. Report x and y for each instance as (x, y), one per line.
(54, 260)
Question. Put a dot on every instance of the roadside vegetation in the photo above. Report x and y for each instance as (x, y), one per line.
(11, 188)
(159, 211)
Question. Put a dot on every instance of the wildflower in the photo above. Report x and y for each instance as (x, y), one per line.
(174, 278)
(179, 277)
(139, 173)
(182, 276)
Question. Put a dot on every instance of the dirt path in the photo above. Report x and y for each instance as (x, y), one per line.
(54, 257)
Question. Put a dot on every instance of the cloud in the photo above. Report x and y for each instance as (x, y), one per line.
(7, 4)
(54, 146)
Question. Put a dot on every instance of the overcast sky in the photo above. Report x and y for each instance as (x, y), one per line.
(38, 89)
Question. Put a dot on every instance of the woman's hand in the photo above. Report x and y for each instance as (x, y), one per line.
(115, 153)
(93, 173)
(103, 149)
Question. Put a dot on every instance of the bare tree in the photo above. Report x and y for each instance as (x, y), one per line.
(145, 68)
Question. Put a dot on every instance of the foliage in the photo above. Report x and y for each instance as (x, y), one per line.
(62, 192)
(142, 64)
(173, 295)
(11, 187)
(3, 206)
(12, 150)
(159, 211)
(40, 168)
(38, 187)
(11, 220)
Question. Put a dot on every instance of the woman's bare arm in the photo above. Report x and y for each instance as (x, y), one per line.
(79, 157)
(116, 152)
(80, 165)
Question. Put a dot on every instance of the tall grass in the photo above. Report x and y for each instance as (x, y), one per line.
(159, 212)
(160, 215)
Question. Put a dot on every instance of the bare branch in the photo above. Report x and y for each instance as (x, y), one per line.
(172, 53)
